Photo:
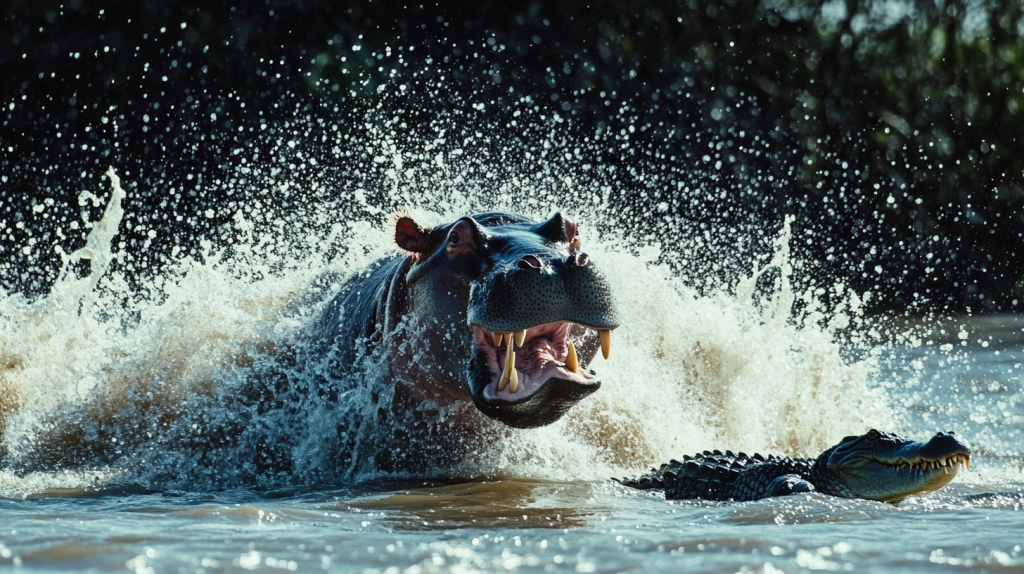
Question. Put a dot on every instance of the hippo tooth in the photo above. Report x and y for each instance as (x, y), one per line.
(606, 342)
(510, 362)
(497, 339)
(572, 362)
(510, 359)
(520, 339)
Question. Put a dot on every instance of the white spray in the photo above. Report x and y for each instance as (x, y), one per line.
(687, 372)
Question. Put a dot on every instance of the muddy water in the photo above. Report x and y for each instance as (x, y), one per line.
(146, 386)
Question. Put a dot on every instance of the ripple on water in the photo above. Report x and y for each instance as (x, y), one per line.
(513, 503)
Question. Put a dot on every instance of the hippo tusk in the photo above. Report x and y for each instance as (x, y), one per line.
(510, 359)
(572, 362)
(509, 372)
(606, 342)
(506, 373)
(520, 339)
(498, 338)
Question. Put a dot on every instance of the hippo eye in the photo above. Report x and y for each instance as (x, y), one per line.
(453, 238)
(872, 434)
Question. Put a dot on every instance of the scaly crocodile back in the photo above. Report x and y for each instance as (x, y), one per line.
(715, 475)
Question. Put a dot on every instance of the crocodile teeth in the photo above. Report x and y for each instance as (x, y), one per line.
(572, 362)
(606, 342)
(520, 337)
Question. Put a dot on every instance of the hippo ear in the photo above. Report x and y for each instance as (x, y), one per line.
(558, 229)
(411, 237)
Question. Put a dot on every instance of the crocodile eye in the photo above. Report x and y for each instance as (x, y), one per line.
(872, 434)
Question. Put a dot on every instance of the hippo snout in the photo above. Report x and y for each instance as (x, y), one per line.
(518, 298)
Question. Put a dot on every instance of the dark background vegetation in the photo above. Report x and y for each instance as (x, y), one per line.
(891, 131)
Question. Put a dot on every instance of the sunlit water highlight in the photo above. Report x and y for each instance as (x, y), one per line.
(147, 380)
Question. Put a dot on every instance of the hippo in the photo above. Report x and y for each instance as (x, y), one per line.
(494, 309)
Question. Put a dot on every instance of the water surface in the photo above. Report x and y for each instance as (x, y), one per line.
(147, 378)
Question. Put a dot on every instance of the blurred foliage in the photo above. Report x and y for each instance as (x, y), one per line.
(890, 129)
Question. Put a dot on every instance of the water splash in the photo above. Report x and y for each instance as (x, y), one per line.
(692, 373)
(192, 379)
(50, 344)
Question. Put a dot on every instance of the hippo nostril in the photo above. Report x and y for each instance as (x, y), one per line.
(578, 259)
(530, 262)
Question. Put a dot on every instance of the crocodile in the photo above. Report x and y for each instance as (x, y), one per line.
(876, 466)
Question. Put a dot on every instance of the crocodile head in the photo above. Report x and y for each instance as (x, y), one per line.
(887, 467)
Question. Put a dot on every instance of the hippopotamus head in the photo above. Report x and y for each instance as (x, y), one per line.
(525, 311)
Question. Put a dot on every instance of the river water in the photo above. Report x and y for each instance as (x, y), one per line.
(146, 380)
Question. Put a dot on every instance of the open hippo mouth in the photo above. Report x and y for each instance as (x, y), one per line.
(545, 378)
